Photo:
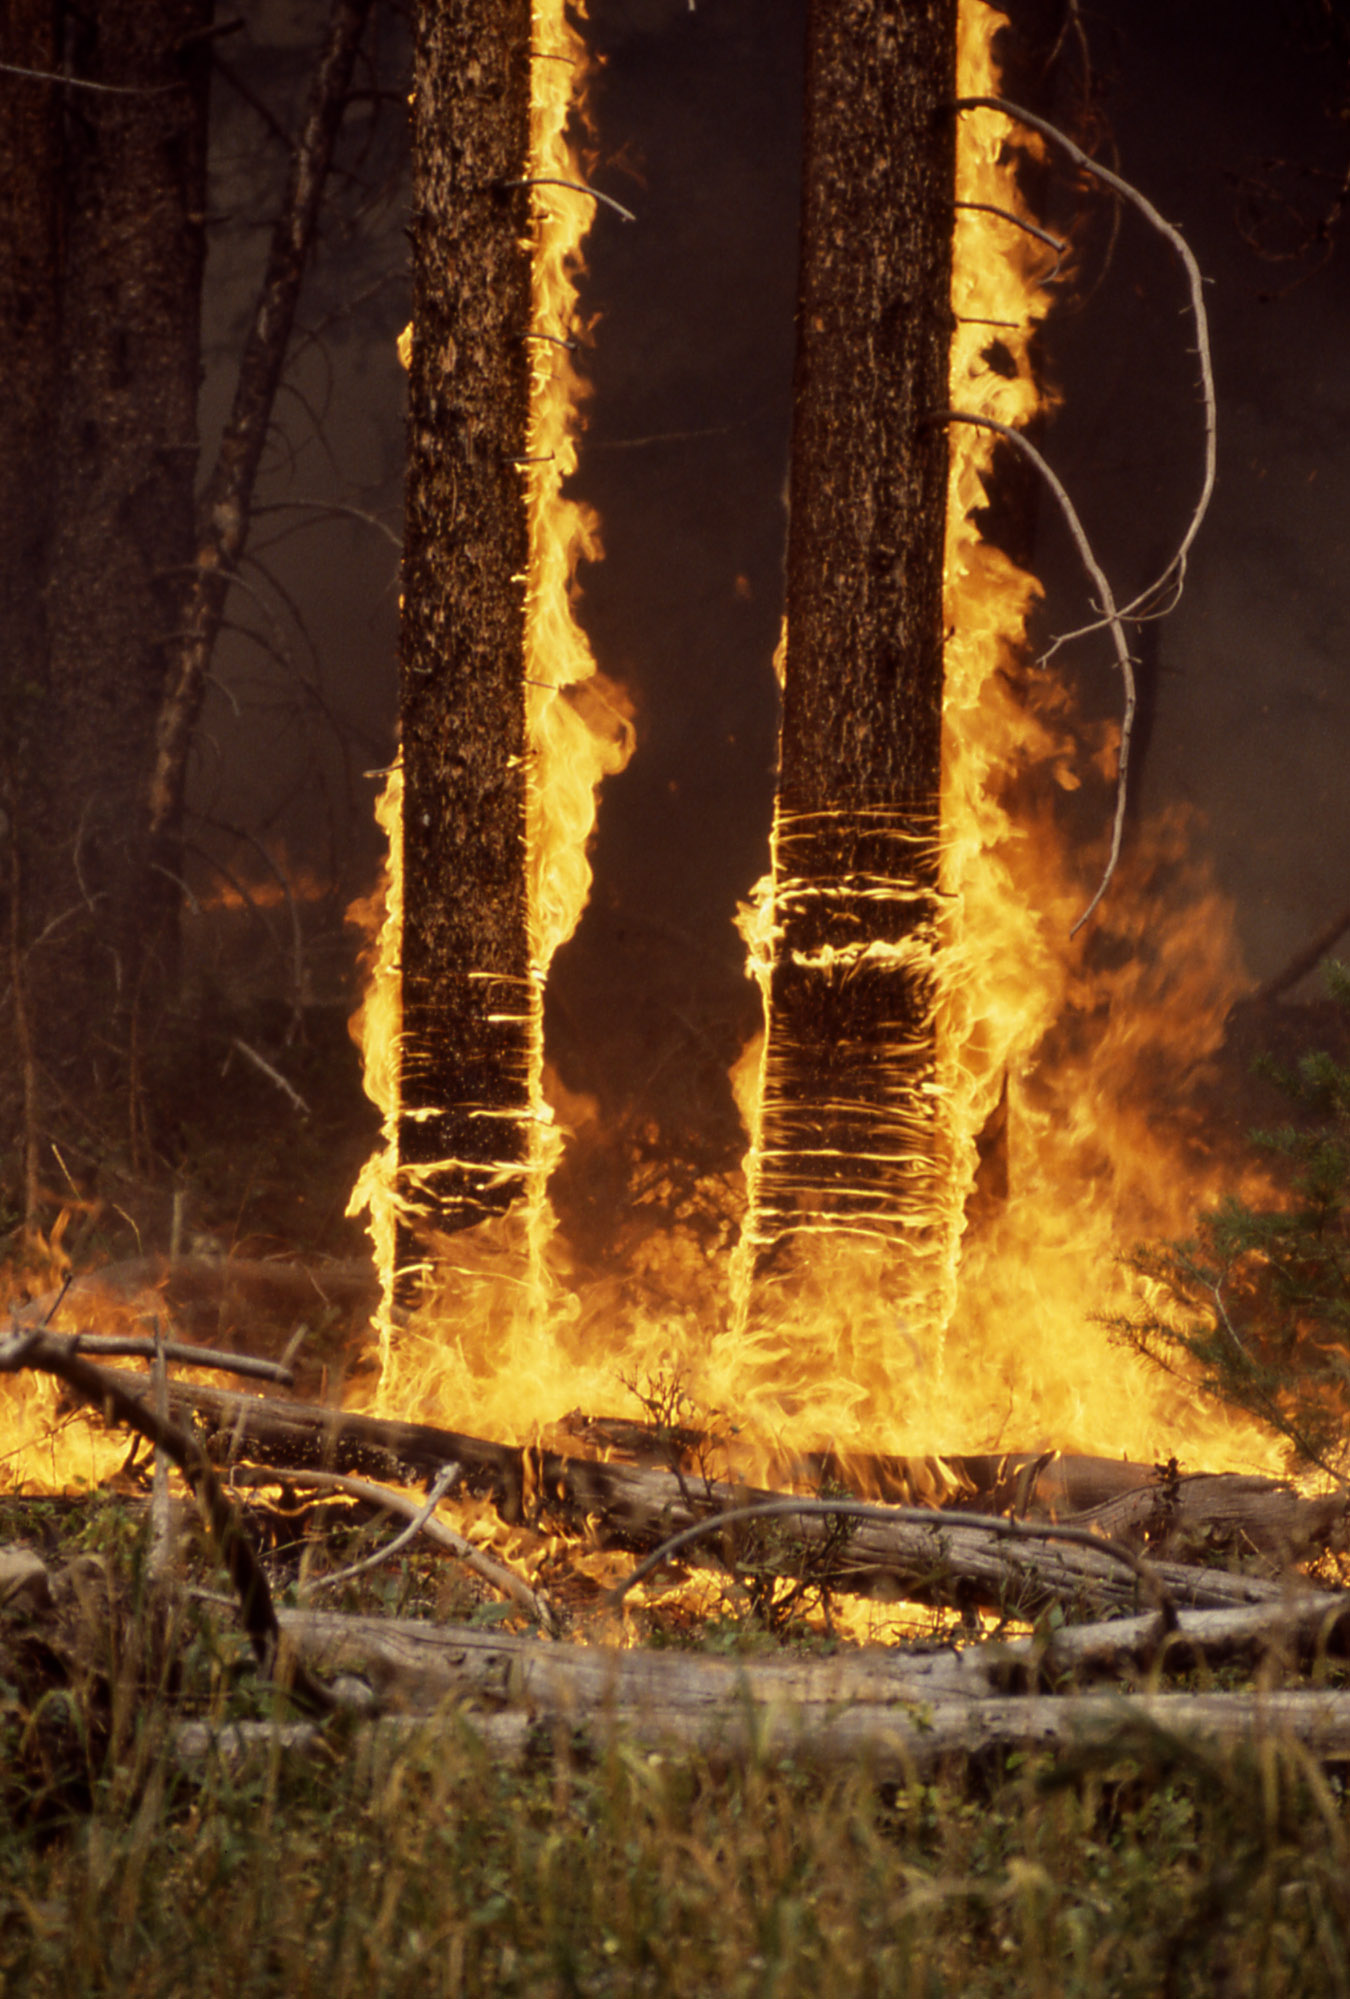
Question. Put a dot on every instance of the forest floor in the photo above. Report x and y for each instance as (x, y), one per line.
(1155, 1863)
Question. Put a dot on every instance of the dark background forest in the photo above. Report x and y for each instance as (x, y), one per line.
(1235, 125)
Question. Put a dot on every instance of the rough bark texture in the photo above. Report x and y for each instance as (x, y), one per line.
(639, 1507)
(847, 1128)
(412, 1665)
(29, 155)
(93, 569)
(468, 1000)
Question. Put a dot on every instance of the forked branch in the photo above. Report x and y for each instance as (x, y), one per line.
(1174, 573)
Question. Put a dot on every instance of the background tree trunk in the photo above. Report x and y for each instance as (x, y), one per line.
(468, 999)
(848, 1132)
(108, 189)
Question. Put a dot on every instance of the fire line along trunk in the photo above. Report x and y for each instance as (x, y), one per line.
(468, 998)
(848, 1132)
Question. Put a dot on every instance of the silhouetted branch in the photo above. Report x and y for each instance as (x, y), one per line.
(1176, 568)
(1114, 621)
(224, 510)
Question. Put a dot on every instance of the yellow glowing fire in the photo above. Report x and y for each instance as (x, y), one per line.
(1059, 1039)
(831, 1360)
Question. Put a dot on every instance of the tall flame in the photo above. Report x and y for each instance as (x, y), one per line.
(1045, 1040)
(498, 1280)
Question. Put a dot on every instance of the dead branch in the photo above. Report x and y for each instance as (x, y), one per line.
(533, 1602)
(1114, 620)
(994, 1524)
(224, 508)
(139, 1347)
(638, 1507)
(118, 1403)
(1303, 961)
(1173, 575)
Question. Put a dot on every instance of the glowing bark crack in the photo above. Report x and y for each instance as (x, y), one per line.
(848, 1126)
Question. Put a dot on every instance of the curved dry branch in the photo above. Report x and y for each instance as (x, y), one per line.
(50, 1353)
(534, 1603)
(1113, 621)
(1174, 573)
(997, 1524)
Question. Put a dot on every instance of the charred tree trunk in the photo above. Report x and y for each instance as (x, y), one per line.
(848, 1134)
(106, 399)
(469, 1005)
(29, 154)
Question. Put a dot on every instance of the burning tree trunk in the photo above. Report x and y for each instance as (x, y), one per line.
(847, 1131)
(468, 998)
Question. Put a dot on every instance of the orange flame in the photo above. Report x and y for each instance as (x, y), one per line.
(499, 1279)
(1047, 1041)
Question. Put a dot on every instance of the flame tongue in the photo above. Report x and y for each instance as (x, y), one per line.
(1053, 1162)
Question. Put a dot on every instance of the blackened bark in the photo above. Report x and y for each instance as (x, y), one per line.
(29, 156)
(848, 1128)
(121, 180)
(468, 1001)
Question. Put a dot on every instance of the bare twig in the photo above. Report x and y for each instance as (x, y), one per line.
(1175, 571)
(87, 83)
(51, 1354)
(331, 507)
(161, 1526)
(997, 1524)
(224, 509)
(1114, 622)
(534, 1602)
(1304, 960)
(577, 187)
(137, 1346)
(1031, 228)
(440, 1485)
(264, 1068)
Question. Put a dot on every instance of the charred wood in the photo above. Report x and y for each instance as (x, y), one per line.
(639, 1507)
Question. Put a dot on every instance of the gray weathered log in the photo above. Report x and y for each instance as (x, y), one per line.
(896, 1745)
(410, 1665)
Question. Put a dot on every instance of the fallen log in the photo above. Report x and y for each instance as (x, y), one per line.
(894, 1746)
(1209, 1514)
(639, 1507)
(410, 1665)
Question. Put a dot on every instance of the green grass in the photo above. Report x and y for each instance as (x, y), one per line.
(1164, 1870)
(443, 1874)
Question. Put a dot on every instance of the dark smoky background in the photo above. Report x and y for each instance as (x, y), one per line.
(1234, 122)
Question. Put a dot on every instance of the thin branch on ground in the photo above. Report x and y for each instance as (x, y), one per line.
(533, 1602)
(440, 1485)
(997, 1524)
(50, 1354)
(1114, 622)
